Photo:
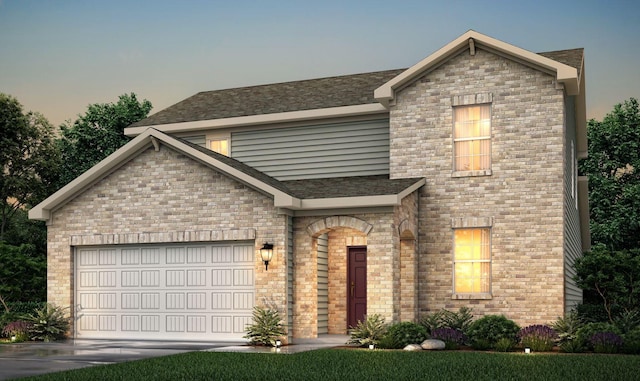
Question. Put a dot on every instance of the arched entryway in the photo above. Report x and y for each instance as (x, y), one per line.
(340, 244)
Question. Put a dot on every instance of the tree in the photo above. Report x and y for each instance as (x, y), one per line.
(23, 274)
(97, 134)
(29, 159)
(613, 168)
(614, 276)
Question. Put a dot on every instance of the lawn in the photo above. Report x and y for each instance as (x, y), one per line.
(346, 364)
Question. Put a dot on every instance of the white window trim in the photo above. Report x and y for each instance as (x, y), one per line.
(219, 136)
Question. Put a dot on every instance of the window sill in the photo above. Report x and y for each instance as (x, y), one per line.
(484, 172)
(470, 296)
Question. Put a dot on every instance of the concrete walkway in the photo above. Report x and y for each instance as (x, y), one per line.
(34, 358)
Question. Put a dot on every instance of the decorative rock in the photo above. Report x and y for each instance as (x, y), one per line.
(433, 344)
(413, 347)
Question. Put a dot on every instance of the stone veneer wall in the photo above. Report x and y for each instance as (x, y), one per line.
(523, 196)
(164, 196)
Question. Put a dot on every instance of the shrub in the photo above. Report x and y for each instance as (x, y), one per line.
(405, 333)
(369, 331)
(48, 323)
(452, 338)
(386, 342)
(567, 329)
(460, 320)
(539, 338)
(627, 321)
(18, 329)
(504, 344)
(572, 346)
(631, 342)
(481, 344)
(588, 330)
(432, 321)
(266, 328)
(606, 342)
(492, 328)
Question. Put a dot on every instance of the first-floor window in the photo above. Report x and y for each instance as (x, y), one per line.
(472, 261)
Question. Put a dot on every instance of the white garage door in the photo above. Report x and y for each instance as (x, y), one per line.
(164, 292)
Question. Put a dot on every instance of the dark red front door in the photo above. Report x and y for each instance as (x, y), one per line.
(356, 285)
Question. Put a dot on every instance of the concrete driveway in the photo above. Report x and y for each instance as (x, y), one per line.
(33, 358)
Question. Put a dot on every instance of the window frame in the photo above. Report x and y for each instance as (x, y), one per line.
(489, 138)
(210, 138)
(472, 295)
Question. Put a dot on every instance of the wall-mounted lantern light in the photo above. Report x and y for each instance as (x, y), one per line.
(266, 253)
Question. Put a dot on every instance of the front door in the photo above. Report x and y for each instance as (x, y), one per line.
(356, 285)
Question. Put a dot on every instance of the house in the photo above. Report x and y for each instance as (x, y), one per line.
(451, 183)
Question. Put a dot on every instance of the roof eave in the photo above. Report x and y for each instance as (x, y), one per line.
(254, 120)
(357, 201)
(150, 137)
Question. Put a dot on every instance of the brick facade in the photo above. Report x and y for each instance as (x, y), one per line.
(522, 196)
(161, 197)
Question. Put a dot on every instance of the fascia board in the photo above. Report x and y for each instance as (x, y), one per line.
(42, 211)
(412, 188)
(350, 202)
(564, 73)
(254, 120)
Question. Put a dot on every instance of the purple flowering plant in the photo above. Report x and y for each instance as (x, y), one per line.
(540, 338)
(606, 342)
(452, 338)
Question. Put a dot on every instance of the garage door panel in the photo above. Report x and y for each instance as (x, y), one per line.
(88, 279)
(220, 255)
(177, 292)
(107, 257)
(243, 254)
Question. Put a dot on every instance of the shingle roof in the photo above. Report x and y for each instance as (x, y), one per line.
(571, 57)
(309, 94)
(346, 90)
(348, 186)
(242, 167)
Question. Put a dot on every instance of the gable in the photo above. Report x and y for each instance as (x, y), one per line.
(163, 187)
(471, 41)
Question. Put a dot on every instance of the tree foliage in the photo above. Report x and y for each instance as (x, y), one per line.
(613, 168)
(23, 273)
(614, 276)
(97, 134)
(29, 159)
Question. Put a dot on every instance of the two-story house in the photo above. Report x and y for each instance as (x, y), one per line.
(451, 183)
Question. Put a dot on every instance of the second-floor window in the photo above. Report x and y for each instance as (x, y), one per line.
(472, 137)
(219, 146)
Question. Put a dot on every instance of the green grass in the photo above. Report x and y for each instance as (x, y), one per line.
(345, 364)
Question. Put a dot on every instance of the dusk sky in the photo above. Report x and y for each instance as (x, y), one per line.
(57, 57)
